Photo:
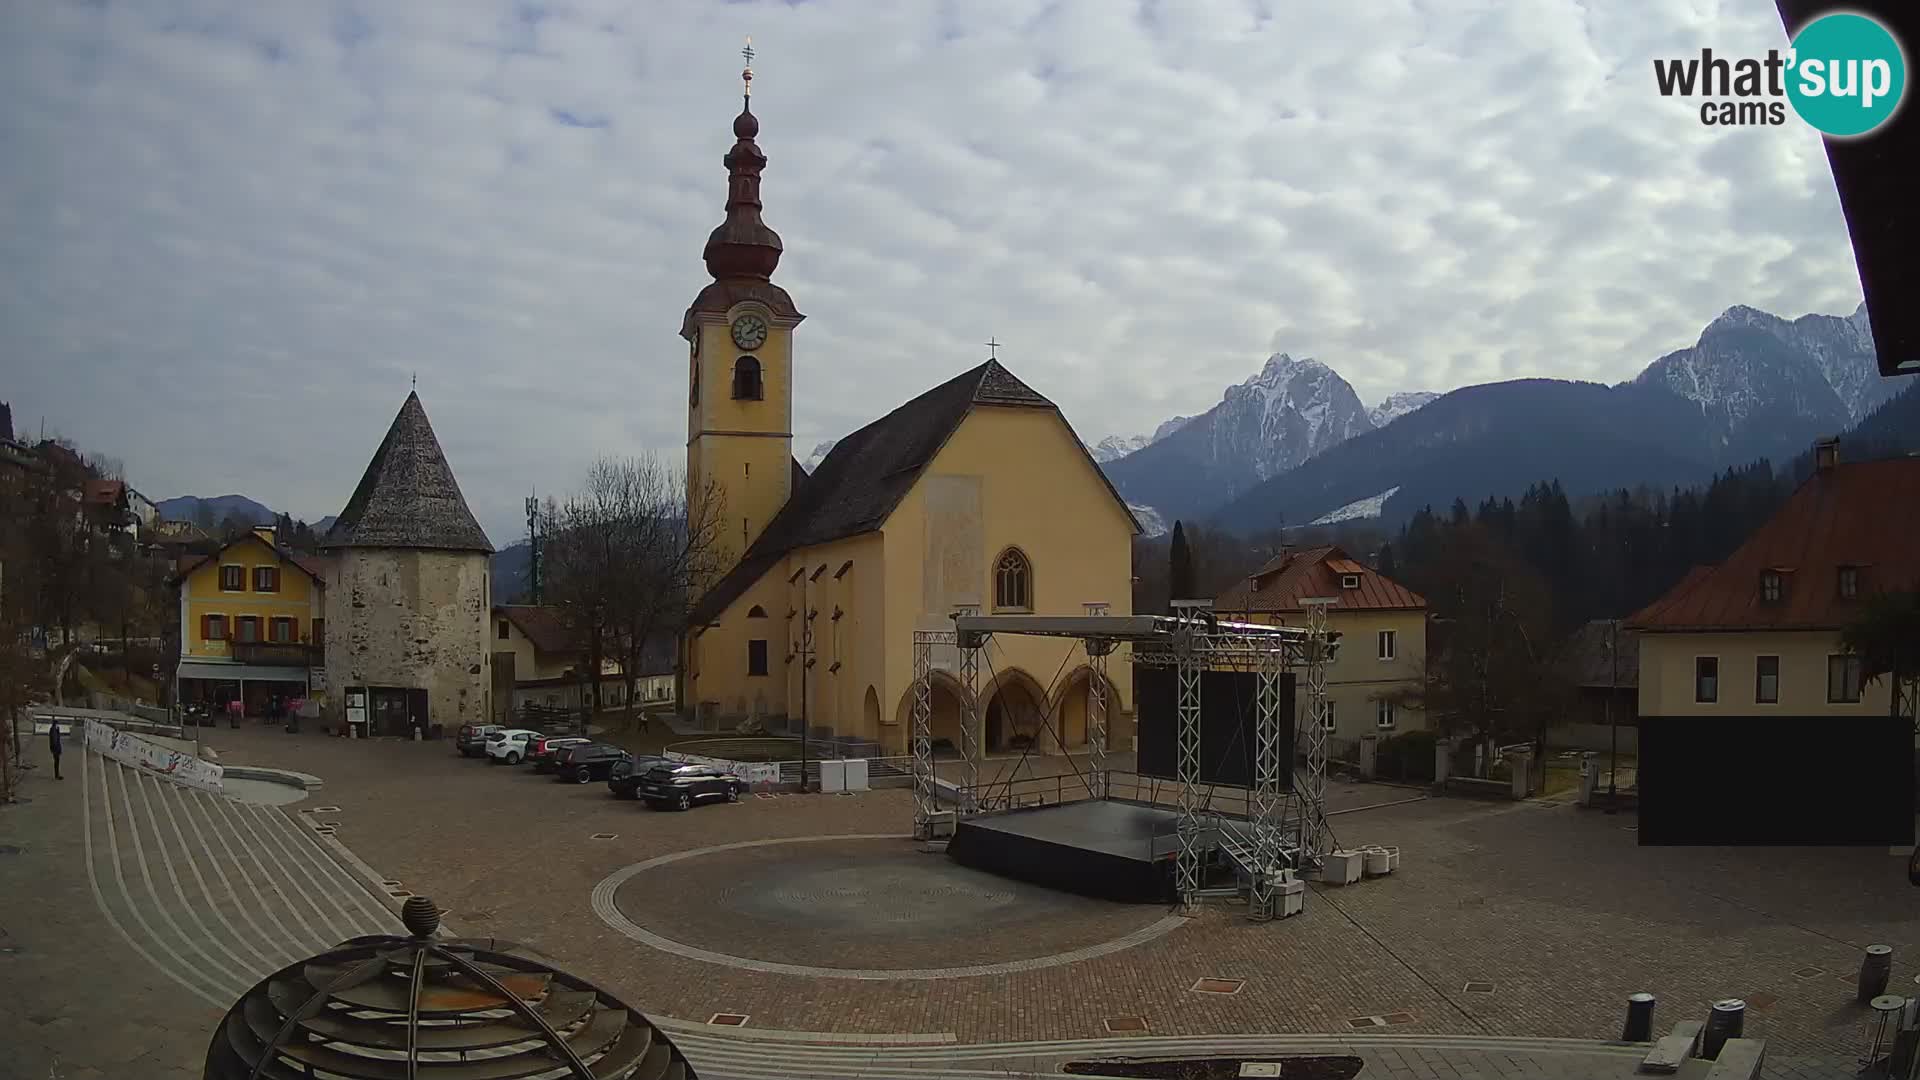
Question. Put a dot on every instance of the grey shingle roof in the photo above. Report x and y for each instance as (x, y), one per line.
(867, 474)
(408, 497)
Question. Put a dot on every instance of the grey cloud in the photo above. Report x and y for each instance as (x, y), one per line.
(263, 226)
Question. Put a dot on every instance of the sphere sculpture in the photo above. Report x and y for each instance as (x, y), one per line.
(417, 1008)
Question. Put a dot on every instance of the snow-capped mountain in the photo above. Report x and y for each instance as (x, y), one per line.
(1115, 447)
(1398, 405)
(1765, 386)
(812, 461)
(1290, 411)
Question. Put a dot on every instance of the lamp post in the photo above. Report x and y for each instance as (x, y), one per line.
(1613, 723)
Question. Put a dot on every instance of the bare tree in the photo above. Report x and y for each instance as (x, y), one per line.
(624, 557)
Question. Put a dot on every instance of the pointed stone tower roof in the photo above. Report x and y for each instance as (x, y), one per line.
(408, 497)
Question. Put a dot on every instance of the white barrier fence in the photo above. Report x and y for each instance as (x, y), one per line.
(758, 775)
(129, 749)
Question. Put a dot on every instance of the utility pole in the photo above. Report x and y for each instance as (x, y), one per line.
(1613, 681)
(803, 651)
(535, 572)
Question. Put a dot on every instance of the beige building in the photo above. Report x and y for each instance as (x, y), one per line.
(1759, 634)
(974, 496)
(1383, 635)
(408, 593)
(537, 660)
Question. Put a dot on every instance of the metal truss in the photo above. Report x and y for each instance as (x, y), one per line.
(1189, 651)
(970, 726)
(926, 800)
(1315, 838)
(1268, 804)
(1097, 653)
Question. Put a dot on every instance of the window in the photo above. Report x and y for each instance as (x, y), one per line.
(1349, 581)
(746, 379)
(756, 612)
(757, 656)
(1843, 679)
(1849, 583)
(233, 579)
(1383, 714)
(1770, 587)
(266, 579)
(213, 627)
(246, 629)
(1013, 582)
(1766, 680)
(1386, 644)
(502, 632)
(1706, 679)
(280, 631)
(1328, 721)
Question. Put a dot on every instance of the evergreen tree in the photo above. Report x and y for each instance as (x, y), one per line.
(1180, 576)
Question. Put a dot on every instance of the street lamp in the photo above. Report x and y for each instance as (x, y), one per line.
(1613, 724)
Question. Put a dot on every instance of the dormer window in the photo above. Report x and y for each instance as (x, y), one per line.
(1770, 587)
(1848, 583)
(746, 379)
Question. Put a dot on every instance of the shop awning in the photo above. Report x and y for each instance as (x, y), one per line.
(202, 669)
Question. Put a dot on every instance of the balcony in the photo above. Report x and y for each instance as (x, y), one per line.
(279, 654)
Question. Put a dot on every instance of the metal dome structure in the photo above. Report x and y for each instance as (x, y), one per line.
(421, 1008)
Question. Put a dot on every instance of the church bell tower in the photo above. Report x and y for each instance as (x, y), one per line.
(739, 334)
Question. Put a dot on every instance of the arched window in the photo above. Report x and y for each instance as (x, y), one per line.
(756, 612)
(1013, 582)
(746, 379)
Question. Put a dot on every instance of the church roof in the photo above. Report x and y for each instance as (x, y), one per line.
(867, 474)
(408, 497)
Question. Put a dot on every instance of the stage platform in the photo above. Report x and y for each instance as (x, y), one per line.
(1113, 849)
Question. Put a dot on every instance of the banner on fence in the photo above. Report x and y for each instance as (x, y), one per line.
(754, 773)
(177, 765)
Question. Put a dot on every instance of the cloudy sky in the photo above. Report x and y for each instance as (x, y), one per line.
(232, 232)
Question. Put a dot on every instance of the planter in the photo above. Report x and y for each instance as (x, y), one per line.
(1342, 868)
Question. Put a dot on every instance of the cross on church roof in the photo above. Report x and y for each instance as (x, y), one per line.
(993, 347)
(746, 75)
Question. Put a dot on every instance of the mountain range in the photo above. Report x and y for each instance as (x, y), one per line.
(219, 508)
(1293, 445)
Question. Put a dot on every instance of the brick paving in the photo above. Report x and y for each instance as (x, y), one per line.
(1555, 906)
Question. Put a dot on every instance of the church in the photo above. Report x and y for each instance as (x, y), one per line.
(975, 496)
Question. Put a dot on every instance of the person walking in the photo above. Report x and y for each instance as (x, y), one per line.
(53, 744)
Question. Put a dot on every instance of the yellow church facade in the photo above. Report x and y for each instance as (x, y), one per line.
(974, 496)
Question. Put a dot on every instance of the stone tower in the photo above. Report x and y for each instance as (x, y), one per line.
(739, 334)
(408, 592)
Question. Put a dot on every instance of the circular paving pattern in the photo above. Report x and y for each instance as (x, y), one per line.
(860, 907)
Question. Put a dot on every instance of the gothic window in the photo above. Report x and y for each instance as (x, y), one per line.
(746, 379)
(1013, 582)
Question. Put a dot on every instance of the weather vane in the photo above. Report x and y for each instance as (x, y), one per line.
(746, 75)
(993, 347)
(416, 380)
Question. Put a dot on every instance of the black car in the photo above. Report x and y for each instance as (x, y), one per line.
(681, 785)
(587, 761)
(624, 780)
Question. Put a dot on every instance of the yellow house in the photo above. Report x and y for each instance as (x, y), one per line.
(974, 496)
(1759, 634)
(252, 624)
(1383, 635)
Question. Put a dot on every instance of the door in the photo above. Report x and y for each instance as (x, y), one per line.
(417, 713)
(503, 679)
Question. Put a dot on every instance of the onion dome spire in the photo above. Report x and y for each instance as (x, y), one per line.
(743, 246)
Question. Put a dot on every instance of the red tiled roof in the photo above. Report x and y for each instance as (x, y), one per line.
(1864, 515)
(314, 566)
(1306, 573)
(102, 492)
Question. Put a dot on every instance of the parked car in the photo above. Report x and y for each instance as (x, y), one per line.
(682, 785)
(624, 779)
(510, 745)
(587, 761)
(542, 752)
(471, 739)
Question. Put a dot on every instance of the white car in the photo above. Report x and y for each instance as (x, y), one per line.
(510, 744)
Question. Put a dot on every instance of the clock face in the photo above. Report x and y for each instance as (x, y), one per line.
(749, 332)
